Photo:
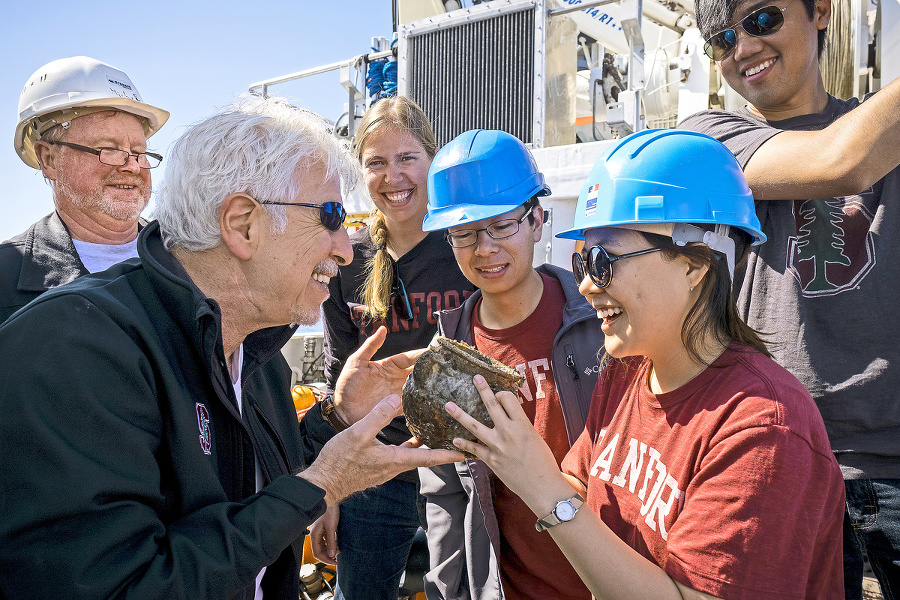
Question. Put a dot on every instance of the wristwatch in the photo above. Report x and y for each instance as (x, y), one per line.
(565, 511)
(331, 415)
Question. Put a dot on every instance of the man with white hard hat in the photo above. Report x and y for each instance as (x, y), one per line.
(84, 125)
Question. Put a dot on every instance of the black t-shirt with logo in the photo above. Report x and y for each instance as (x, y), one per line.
(824, 289)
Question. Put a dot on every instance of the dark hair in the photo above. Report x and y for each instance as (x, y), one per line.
(716, 15)
(529, 206)
(715, 310)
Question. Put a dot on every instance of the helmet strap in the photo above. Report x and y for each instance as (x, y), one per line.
(717, 240)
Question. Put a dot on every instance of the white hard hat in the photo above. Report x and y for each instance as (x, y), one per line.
(73, 87)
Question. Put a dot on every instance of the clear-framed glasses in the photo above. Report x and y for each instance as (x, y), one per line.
(498, 230)
(598, 264)
(331, 214)
(115, 157)
(760, 23)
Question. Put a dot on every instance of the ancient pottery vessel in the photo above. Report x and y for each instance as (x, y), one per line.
(442, 373)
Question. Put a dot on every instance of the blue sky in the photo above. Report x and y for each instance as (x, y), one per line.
(188, 57)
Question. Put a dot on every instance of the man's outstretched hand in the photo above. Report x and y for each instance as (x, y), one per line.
(364, 382)
(354, 460)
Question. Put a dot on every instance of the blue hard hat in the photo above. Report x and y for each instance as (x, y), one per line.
(478, 175)
(666, 176)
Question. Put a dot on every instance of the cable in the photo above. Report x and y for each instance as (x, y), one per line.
(381, 77)
(838, 69)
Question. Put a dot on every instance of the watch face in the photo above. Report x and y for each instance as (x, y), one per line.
(565, 511)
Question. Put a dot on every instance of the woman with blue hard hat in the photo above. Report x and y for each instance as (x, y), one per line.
(484, 188)
(704, 466)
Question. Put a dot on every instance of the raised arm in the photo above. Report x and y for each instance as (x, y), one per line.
(363, 382)
(845, 158)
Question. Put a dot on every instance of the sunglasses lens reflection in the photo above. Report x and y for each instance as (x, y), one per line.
(763, 22)
(578, 267)
(599, 266)
(759, 23)
(332, 215)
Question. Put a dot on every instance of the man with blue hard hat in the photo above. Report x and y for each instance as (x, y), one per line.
(484, 189)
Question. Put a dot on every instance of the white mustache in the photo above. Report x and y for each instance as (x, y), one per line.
(328, 268)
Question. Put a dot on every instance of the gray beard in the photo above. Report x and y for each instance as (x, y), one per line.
(305, 317)
(96, 201)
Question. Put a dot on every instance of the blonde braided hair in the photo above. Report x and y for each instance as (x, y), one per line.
(394, 112)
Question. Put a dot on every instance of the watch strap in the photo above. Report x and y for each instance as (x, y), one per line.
(553, 519)
(331, 414)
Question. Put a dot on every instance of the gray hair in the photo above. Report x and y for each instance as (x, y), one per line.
(257, 146)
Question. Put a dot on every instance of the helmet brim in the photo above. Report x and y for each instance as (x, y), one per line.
(26, 135)
(461, 214)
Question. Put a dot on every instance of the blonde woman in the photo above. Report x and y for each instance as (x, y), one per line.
(399, 277)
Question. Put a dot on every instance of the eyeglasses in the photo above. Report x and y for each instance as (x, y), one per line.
(399, 297)
(115, 157)
(598, 264)
(498, 230)
(331, 214)
(760, 23)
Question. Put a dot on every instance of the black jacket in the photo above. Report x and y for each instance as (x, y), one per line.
(127, 470)
(39, 259)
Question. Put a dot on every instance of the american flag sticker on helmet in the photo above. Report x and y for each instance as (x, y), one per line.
(590, 207)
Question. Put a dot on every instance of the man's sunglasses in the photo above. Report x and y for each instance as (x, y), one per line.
(331, 214)
(598, 264)
(760, 23)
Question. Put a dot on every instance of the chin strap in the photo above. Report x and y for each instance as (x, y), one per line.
(717, 240)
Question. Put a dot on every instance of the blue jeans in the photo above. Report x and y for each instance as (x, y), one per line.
(375, 534)
(872, 528)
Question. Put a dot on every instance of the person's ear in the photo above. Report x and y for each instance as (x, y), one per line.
(241, 223)
(46, 159)
(538, 215)
(694, 272)
(822, 13)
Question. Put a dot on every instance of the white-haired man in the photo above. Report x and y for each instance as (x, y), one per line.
(84, 125)
(150, 446)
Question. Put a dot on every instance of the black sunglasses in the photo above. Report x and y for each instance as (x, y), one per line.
(400, 298)
(331, 214)
(760, 23)
(598, 264)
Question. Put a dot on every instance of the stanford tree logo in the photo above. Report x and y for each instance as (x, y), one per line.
(833, 250)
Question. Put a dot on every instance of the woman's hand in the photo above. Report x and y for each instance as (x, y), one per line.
(505, 446)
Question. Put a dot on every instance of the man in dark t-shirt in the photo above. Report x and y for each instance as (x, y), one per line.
(823, 288)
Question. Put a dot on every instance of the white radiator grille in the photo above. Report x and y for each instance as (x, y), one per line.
(477, 74)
